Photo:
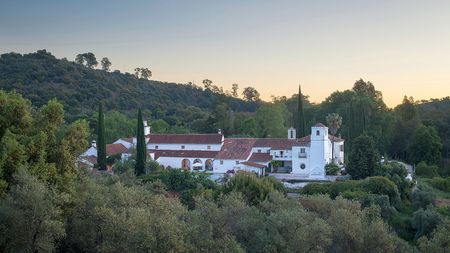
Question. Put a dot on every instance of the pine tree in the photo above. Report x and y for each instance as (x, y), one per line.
(364, 158)
(141, 148)
(300, 124)
(101, 145)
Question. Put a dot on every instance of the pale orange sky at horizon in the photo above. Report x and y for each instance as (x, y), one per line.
(402, 47)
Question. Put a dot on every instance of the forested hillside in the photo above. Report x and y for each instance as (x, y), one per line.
(436, 112)
(40, 77)
(183, 108)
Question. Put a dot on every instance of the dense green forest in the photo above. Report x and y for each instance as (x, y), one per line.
(40, 77)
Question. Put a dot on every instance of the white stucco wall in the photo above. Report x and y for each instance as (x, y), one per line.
(227, 165)
(176, 162)
(338, 154)
(201, 147)
(262, 149)
(297, 161)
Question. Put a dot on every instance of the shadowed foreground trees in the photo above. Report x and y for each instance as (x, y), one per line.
(108, 213)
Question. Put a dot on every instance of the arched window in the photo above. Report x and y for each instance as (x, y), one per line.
(186, 164)
(317, 132)
(197, 165)
(209, 165)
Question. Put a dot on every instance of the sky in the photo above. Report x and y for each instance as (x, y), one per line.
(402, 47)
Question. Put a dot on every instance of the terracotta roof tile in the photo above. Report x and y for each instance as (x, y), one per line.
(260, 157)
(335, 138)
(183, 153)
(281, 143)
(185, 138)
(236, 148)
(112, 149)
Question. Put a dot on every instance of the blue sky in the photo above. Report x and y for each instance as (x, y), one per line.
(403, 47)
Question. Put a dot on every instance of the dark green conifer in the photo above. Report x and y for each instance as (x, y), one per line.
(101, 145)
(300, 124)
(141, 147)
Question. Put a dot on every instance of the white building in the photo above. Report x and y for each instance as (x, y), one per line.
(306, 156)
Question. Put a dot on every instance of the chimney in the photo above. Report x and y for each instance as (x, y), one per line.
(146, 128)
(94, 144)
(292, 133)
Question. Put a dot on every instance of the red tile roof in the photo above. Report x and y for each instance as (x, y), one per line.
(281, 143)
(334, 138)
(183, 153)
(185, 138)
(236, 148)
(252, 164)
(260, 157)
(112, 149)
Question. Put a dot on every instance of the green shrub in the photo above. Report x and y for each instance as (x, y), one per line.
(381, 186)
(353, 195)
(332, 169)
(422, 197)
(440, 183)
(444, 210)
(253, 189)
(316, 188)
(112, 159)
(425, 170)
(425, 221)
(374, 185)
(396, 172)
(387, 211)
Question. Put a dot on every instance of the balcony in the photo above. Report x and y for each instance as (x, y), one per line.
(302, 155)
(282, 157)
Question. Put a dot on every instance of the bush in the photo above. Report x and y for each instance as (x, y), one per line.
(374, 185)
(387, 211)
(381, 186)
(332, 169)
(422, 197)
(187, 184)
(253, 189)
(425, 221)
(397, 173)
(425, 170)
(440, 183)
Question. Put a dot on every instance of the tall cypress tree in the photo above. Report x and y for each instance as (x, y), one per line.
(101, 145)
(300, 124)
(141, 147)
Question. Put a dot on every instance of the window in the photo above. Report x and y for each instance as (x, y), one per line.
(259, 150)
(237, 162)
(302, 150)
(292, 134)
(302, 166)
(281, 153)
(182, 147)
(156, 147)
(342, 148)
(317, 132)
(221, 161)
